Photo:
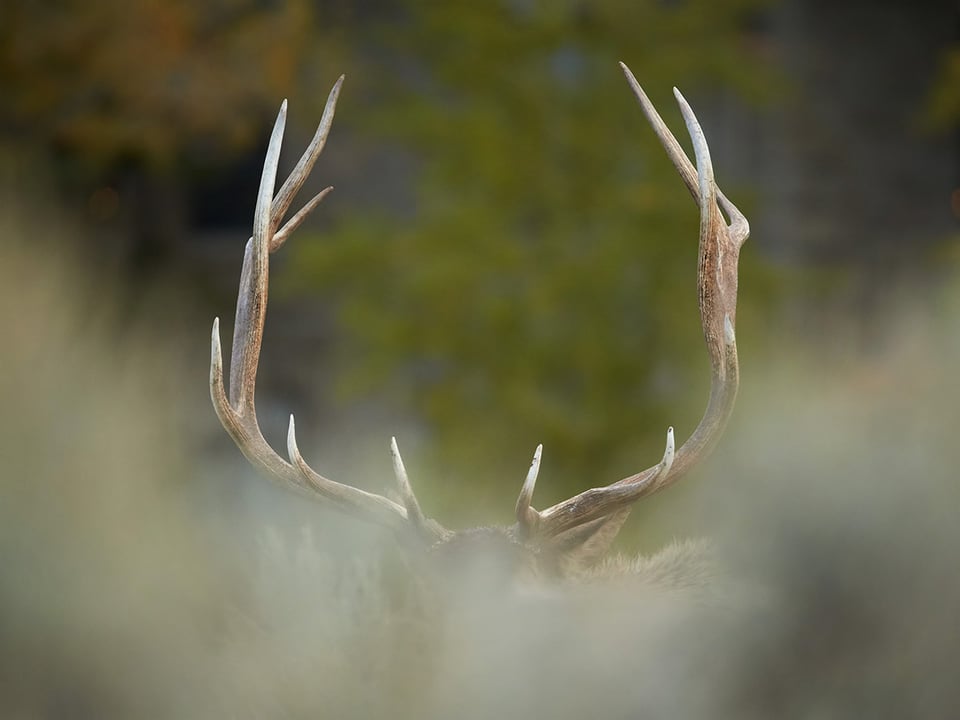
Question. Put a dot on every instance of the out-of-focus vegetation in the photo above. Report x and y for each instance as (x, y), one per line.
(146, 79)
(127, 107)
(528, 276)
(522, 272)
(835, 528)
(539, 285)
(942, 111)
(106, 584)
(532, 279)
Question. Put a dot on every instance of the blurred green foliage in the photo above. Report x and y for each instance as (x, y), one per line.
(941, 110)
(543, 287)
(540, 284)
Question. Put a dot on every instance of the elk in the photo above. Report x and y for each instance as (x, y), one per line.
(560, 541)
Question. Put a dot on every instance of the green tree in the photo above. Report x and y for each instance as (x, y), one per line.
(543, 288)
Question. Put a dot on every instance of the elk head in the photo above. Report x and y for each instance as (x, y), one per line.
(556, 540)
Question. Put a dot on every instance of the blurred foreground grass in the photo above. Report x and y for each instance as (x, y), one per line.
(833, 504)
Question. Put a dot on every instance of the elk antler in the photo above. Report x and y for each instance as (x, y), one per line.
(238, 413)
(596, 513)
(717, 294)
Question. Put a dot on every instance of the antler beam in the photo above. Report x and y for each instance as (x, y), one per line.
(596, 513)
(237, 412)
(719, 252)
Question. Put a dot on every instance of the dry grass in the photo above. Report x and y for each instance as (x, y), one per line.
(832, 508)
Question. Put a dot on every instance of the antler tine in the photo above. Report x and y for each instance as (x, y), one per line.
(403, 485)
(717, 295)
(679, 158)
(252, 295)
(528, 518)
(300, 173)
(360, 502)
(251, 298)
(237, 412)
(674, 151)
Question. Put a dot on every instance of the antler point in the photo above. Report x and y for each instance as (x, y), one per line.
(668, 453)
(216, 354)
(292, 450)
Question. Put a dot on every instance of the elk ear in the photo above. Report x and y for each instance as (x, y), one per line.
(585, 545)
